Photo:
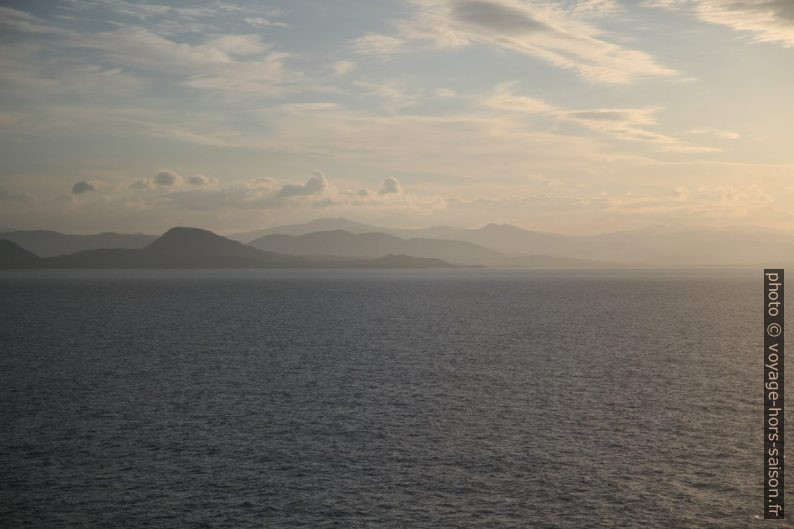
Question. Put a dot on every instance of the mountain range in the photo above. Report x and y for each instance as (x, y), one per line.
(47, 243)
(650, 246)
(195, 248)
(494, 245)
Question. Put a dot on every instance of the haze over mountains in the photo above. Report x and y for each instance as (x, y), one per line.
(345, 244)
(344, 241)
(47, 243)
(652, 246)
(195, 248)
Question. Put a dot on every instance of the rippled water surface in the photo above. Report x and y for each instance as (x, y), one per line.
(426, 399)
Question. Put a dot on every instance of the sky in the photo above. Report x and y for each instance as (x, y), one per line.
(568, 116)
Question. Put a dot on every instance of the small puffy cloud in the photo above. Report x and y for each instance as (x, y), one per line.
(167, 178)
(82, 187)
(200, 180)
(313, 186)
(164, 178)
(390, 186)
(262, 182)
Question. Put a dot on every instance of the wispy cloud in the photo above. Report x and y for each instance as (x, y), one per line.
(14, 20)
(769, 20)
(541, 30)
(766, 20)
(629, 124)
(717, 133)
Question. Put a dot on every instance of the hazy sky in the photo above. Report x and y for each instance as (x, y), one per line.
(567, 116)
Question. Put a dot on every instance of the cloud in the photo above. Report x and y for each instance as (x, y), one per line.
(313, 186)
(622, 123)
(628, 124)
(497, 16)
(391, 186)
(538, 29)
(232, 63)
(82, 187)
(504, 98)
(11, 196)
(393, 95)
(666, 4)
(595, 8)
(167, 178)
(264, 194)
(260, 22)
(14, 20)
(722, 134)
(164, 178)
(262, 182)
(376, 44)
(769, 20)
(200, 180)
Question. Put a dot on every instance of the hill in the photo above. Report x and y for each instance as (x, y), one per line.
(179, 248)
(195, 248)
(341, 243)
(654, 246)
(14, 256)
(46, 243)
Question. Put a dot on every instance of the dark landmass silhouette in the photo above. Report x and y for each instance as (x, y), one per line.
(13, 255)
(47, 243)
(398, 261)
(195, 248)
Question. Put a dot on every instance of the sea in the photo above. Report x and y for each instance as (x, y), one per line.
(462, 398)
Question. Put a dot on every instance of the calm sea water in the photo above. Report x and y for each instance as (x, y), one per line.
(417, 399)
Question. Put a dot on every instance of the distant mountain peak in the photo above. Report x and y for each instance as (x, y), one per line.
(196, 241)
(183, 234)
(183, 231)
(502, 227)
